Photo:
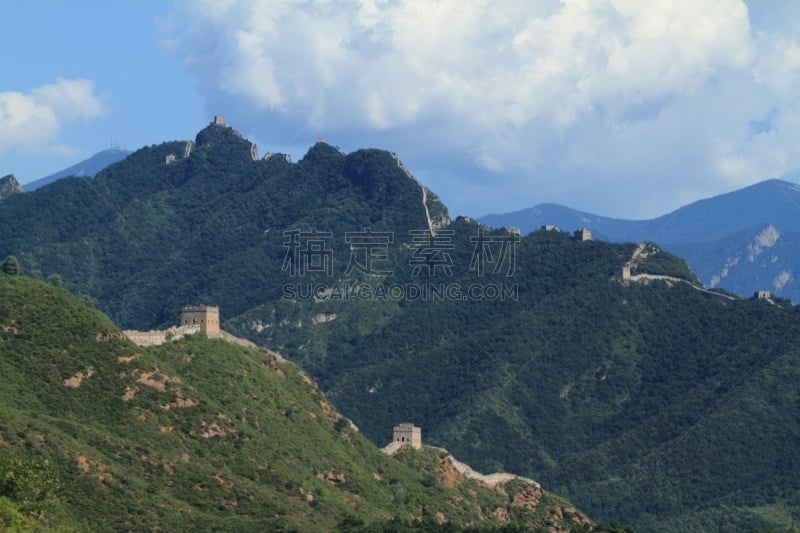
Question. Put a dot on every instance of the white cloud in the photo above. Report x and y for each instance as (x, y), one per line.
(603, 99)
(33, 121)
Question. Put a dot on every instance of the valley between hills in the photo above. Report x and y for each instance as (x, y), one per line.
(605, 371)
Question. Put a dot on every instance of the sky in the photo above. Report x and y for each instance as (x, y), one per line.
(622, 108)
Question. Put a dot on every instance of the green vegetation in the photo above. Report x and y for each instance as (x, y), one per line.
(10, 266)
(651, 403)
(99, 434)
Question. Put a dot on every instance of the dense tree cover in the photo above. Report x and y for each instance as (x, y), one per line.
(30, 486)
(145, 237)
(656, 404)
(10, 265)
(97, 434)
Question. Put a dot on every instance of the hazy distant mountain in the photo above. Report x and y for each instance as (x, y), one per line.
(87, 168)
(758, 258)
(774, 202)
(716, 235)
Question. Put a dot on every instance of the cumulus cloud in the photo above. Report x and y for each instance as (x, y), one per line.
(32, 121)
(612, 99)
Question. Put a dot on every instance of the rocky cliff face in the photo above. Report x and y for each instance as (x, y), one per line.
(8, 186)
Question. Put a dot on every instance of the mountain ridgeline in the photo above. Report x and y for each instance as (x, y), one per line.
(742, 241)
(86, 168)
(208, 222)
(605, 371)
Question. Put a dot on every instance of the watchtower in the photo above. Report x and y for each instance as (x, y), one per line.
(582, 234)
(205, 316)
(624, 273)
(408, 434)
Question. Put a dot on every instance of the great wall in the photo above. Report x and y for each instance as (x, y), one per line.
(194, 319)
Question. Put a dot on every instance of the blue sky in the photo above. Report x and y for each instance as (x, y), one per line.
(619, 107)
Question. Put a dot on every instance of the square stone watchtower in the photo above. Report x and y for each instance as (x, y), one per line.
(582, 234)
(624, 273)
(206, 317)
(408, 434)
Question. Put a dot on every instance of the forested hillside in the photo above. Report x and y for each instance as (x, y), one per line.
(98, 434)
(645, 399)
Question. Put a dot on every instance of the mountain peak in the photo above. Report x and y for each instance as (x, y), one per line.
(8, 186)
(321, 151)
(86, 168)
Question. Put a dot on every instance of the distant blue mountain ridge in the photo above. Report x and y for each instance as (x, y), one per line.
(87, 168)
(741, 241)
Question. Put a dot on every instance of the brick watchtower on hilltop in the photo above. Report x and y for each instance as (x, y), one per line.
(205, 316)
(582, 234)
(408, 434)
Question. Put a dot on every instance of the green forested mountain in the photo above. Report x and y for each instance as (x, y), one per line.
(646, 400)
(98, 434)
(145, 237)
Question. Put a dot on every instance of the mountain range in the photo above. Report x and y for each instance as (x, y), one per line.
(742, 241)
(606, 371)
(88, 167)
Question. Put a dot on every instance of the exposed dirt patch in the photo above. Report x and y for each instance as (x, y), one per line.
(180, 401)
(501, 515)
(326, 407)
(156, 380)
(162, 383)
(129, 393)
(527, 498)
(83, 464)
(447, 473)
(228, 484)
(560, 518)
(334, 477)
(212, 429)
(86, 467)
(127, 358)
(75, 381)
